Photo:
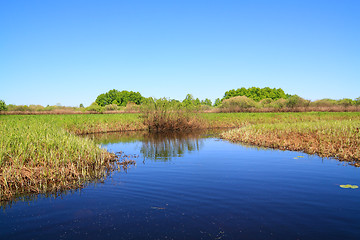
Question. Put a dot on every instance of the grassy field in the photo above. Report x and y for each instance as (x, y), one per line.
(42, 153)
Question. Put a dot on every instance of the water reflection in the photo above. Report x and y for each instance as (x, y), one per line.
(159, 146)
(164, 147)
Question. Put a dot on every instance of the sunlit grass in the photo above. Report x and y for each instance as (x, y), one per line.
(326, 138)
(36, 156)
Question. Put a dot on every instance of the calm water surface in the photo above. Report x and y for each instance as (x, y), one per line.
(198, 187)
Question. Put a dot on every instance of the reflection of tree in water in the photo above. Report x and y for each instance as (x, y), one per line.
(163, 147)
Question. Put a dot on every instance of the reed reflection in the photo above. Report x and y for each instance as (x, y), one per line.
(164, 147)
(159, 146)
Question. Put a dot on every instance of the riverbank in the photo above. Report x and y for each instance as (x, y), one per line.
(38, 156)
(338, 139)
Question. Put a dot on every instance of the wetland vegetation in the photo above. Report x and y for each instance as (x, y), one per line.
(45, 153)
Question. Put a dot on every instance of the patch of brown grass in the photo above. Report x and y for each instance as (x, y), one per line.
(337, 139)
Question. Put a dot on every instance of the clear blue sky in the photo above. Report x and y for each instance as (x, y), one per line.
(68, 52)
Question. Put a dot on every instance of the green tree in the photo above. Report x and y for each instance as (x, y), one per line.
(188, 101)
(3, 106)
(346, 102)
(357, 101)
(296, 101)
(122, 98)
(217, 102)
(256, 93)
(206, 102)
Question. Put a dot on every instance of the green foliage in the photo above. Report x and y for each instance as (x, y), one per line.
(81, 105)
(279, 104)
(357, 101)
(266, 103)
(256, 93)
(3, 106)
(190, 103)
(326, 102)
(111, 107)
(239, 103)
(206, 102)
(217, 102)
(346, 102)
(121, 98)
(296, 101)
(94, 107)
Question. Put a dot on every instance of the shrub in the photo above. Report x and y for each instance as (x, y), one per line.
(357, 101)
(346, 102)
(111, 107)
(131, 107)
(326, 102)
(256, 93)
(266, 103)
(3, 106)
(94, 107)
(239, 103)
(296, 101)
(217, 102)
(121, 98)
(279, 104)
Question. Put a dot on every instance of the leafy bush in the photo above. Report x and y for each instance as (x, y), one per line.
(217, 102)
(296, 101)
(346, 102)
(326, 102)
(111, 107)
(257, 94)
(131, 107)
(279, 104)
(190, 103)
(357, 101)
(12, 107)
(94, 107)
(120, 98)
(3, 106)
(266, 103)
(206, 102)
(238, 103)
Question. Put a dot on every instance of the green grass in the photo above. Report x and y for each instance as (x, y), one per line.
(84, 124)
(39, 156)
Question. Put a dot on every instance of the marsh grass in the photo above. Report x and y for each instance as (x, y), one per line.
(162, 115)
(44, 153)
(38, 157)
(326, 138)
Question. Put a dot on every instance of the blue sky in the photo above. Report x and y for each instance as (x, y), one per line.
(68, 52)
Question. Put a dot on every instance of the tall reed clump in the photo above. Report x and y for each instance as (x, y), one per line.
(327, 138)
(37, 157)
(161, 115)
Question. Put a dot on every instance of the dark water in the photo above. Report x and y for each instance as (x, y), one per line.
(199, 187)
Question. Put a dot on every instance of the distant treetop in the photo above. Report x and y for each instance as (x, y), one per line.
(3, 106)
(119, 98)
(257, 94)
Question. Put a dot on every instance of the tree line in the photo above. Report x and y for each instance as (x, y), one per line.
(252, 97)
